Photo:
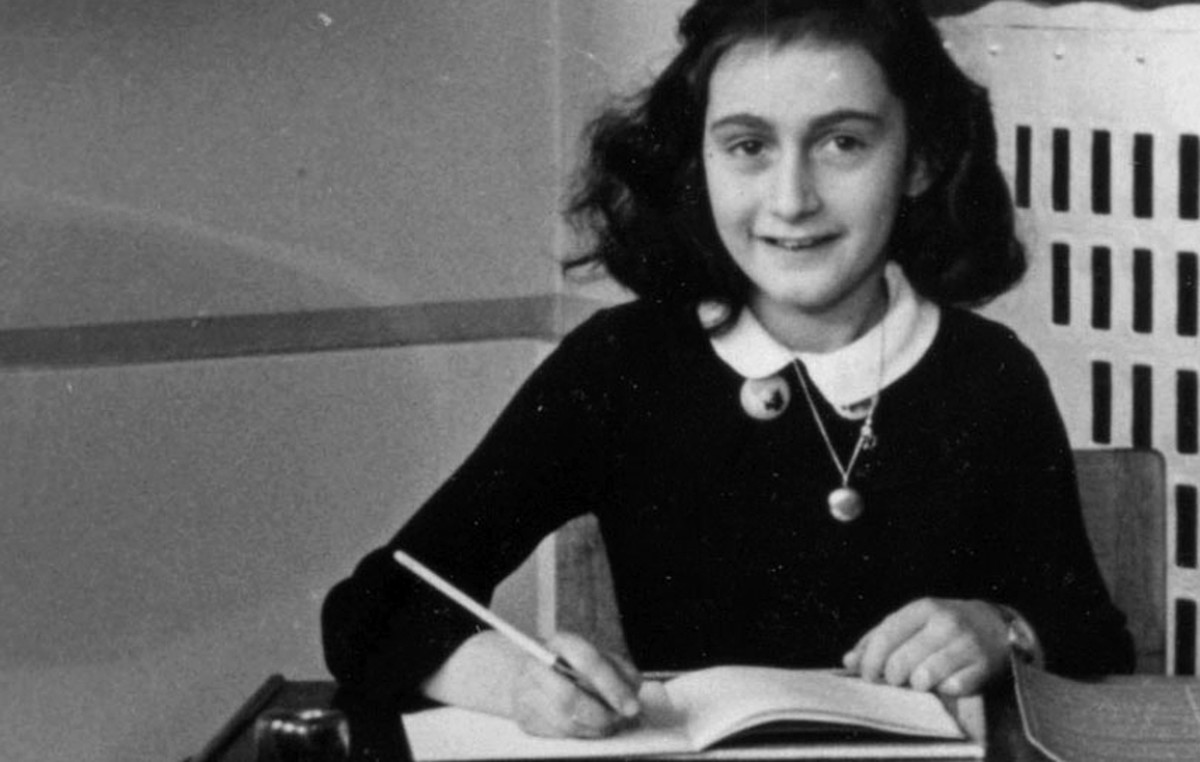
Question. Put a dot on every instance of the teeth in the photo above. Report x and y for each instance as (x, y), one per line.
(793, 244)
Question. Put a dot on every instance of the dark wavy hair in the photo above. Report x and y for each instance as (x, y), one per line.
(641, 197)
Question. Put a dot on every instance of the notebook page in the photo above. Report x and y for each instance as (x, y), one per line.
(717, 700)
(450, 733)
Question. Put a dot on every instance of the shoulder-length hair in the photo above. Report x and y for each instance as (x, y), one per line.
(641, 192)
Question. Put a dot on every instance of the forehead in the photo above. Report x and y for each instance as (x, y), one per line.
(798, 78)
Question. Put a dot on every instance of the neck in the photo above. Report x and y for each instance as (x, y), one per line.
(826, 331)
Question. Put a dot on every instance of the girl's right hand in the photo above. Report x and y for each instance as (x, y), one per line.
(546, 703)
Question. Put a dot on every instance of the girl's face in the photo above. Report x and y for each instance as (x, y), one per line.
(806, 160)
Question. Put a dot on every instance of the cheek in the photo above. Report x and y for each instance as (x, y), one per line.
(900, 179)
(877, 199)
(723, 184)
(729, 200)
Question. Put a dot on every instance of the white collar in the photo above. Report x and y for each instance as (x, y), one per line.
(849, 375)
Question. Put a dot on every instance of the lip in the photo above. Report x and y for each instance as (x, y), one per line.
(797, 243)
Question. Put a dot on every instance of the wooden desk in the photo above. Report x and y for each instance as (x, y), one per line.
(376, 735)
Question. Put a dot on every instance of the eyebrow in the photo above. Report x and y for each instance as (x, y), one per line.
(744, 119)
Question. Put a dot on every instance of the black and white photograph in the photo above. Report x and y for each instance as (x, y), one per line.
(515, 380)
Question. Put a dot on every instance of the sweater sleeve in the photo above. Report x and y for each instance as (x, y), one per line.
(384, 631)
(1049, 571)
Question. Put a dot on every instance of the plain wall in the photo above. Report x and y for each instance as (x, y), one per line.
(363, 151)
(403, 148)
(168, 532)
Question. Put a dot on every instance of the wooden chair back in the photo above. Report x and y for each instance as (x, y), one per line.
(1124, 506)
(1124, 495)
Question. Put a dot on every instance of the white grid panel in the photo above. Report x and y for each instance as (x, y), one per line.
(1061, 76)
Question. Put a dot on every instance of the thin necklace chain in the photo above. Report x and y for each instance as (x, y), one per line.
(866, 434)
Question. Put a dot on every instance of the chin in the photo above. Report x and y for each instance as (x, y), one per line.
(808, 303)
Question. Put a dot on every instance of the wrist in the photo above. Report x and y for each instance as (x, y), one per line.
(1020, 638)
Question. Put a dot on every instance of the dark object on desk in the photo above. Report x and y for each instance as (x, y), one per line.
(302, 735)
(374, 730)
(241, 720)
(1118, 719)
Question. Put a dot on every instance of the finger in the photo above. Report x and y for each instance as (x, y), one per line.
(610, 680)
(973, 668)
(546, 704)
(941, 663)
(907, 663)
(966, 641)
(877, 646)
(965, 682)
(587, 713)
(861, 643)
(852, 659)
(947, 641)
(632, 675)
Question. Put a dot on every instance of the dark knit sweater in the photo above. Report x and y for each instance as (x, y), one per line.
(717, 528)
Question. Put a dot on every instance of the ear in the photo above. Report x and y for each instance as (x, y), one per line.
(919, 177)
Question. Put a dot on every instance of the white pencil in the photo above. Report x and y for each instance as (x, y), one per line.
(485, 615)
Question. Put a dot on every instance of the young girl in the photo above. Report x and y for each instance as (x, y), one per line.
(801, 450)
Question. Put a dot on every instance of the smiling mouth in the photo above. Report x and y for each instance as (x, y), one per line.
(798, 244)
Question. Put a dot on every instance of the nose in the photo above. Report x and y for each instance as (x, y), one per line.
(795, 191)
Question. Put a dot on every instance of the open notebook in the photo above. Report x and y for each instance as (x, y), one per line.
(724, 711)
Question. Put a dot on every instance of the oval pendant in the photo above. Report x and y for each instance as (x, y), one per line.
(845, 504)
(765, 399)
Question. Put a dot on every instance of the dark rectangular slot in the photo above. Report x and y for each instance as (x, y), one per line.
(1060, 285)
(1102, 403)
(1185, 525)
(1189, 177)
(1185, 637)
(1143, 176)
(1189, 287)
(1187, 424)
(1102, 288)
(1101, 172)
(1142, 429)
(1143, 291)
(1060, 183)
(1024, 159)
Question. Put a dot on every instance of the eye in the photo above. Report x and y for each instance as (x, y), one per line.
(847, 143)
(844, 148)
(749, 147)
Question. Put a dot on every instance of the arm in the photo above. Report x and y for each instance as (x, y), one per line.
(1053, 578)
(1045, 566)
(1035, 559)
(386, 632)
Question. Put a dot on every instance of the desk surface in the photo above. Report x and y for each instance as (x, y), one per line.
(376, 735)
